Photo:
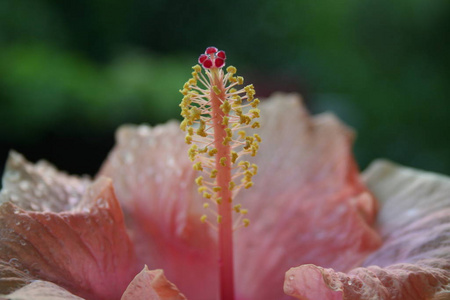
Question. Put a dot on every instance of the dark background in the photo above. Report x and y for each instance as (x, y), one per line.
(72, 71)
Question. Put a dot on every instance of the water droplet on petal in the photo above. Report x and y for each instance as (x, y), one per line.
(13, 176)
(129, 159)
(143, 130)
(34, 206)
(291, 277)
(22, 242)
(24, 185)
(14, 262)
(349, 282)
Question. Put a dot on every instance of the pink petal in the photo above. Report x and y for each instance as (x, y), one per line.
(85, 250)
(414, 261)
(40, 186)
(154, 181)
(152, 285)
(308, 205)
(42, 290)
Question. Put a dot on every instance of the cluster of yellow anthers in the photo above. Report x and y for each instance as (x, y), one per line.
(215, 119)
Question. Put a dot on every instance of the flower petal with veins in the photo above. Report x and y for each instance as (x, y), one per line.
(152, 285)
(414, 261)
(41, 290)
(308, 205)
(40, 186)
(85, 250)
(154, 181)
(307, 196)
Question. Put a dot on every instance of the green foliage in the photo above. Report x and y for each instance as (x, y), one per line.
(382, 66)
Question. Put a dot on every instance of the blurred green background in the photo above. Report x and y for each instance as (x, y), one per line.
(72, 71)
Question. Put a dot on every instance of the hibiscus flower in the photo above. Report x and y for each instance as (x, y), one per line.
(382, 235)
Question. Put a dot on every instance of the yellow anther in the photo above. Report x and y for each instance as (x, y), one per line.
(197, 68)
(240, 80)
(201, 189)
(212, 152)
(244, 164)
(205, 205)
(254, 112)
(246, 222)
(233, 90)
(223, 161)
(216, 90)
(225, 121)
(192, 152)
(241, 134)
(255, 103)
(203, 150)
(183, 125)
(226, 107)
(199, 180)
(256, 125)
(226, 140)
(244, 119)
(188, 139)
(237, 101)
(229, 132)
(238, 111)
(232, 79)
(248, 185)
(234, 156)
(195, 113)
(213, 173)
(237, 208)
(219, 200)
(248, 174)
(198, 166)
(254, 149)
(192, 82)
(217, 189)
(255, 169)
(203, 218)
(219, 219)
(257, 137)
(207, 195)
(201, 129)
(244, 211)
(249, 88)
(190, 130)
(231, 70)
(231, 185)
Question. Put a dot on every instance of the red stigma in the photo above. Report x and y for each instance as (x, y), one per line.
(202, 58)
(219, 62)
(221, 54)
(211, 50)
(207, 63)
(213, 58)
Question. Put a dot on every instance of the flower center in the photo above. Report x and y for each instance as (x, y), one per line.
(216, 121)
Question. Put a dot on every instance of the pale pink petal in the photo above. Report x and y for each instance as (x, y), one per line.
(41, 290)
(85, 250)
(152, 285)
(307, 206)
(414, 261)
(154, 181)
(40, 186)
